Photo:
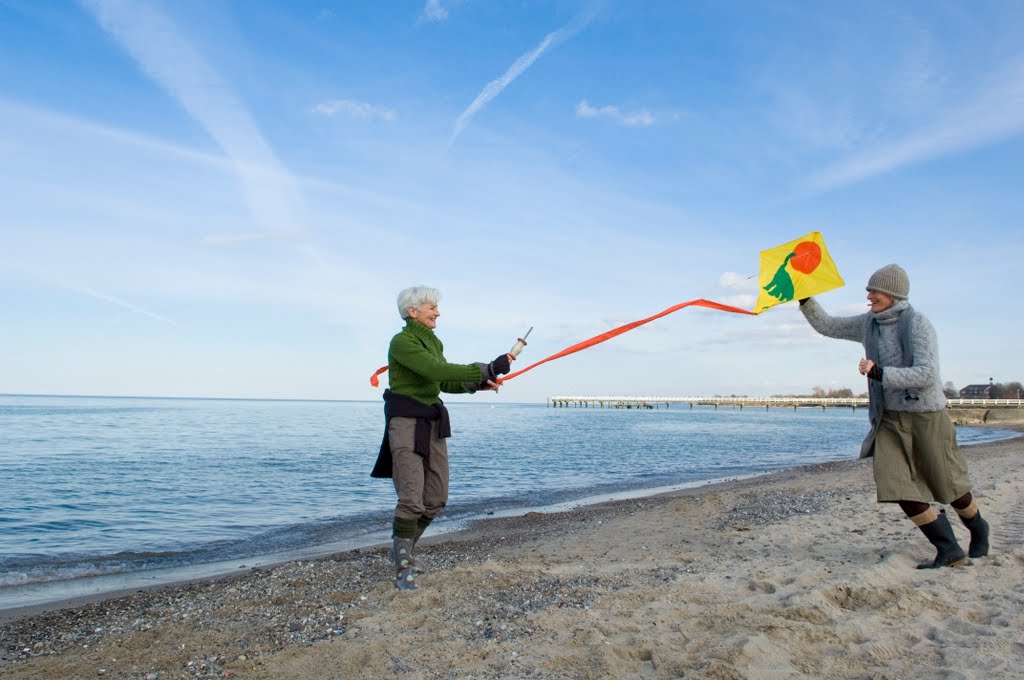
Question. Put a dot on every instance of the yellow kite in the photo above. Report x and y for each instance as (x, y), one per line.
(794, 271)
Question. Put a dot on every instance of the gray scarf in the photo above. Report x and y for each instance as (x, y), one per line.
(902, 313)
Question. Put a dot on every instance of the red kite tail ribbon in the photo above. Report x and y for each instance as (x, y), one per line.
(373, 378)
(608, 335)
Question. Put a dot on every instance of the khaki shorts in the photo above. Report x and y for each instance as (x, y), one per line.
(917, 458)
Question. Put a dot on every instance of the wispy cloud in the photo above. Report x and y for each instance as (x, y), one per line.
(639, 118)
(434, 11)
(159, 49)
(354, 108)
(51, 277)
(495, 87)
(250, 237)
(83, 126)
(995, 112)
(734, 281)
(57, 122)
(119, 302)
(740, 290)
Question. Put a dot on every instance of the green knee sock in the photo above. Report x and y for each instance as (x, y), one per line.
(421, 525)
(403, 528)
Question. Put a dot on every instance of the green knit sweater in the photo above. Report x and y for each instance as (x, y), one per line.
(417, 367)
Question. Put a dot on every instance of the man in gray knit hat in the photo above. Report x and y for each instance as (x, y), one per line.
(916, 459)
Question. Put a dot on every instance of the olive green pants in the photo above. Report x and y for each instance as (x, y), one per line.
(917, 458)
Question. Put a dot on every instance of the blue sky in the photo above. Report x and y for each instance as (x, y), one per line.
(222, 198)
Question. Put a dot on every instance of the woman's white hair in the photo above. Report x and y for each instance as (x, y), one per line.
(416, 296)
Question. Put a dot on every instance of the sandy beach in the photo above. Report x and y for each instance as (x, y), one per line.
(798, 574)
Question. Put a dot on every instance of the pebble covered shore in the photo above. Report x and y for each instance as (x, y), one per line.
(702, 583)
(254, 615)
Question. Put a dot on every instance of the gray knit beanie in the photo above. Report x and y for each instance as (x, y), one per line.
(891, 280)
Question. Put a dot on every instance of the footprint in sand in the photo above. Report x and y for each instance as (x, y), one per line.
(761, 587)
(1008, 529)
(884, 651)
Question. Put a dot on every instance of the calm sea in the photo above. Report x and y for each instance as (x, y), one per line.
(111, 492)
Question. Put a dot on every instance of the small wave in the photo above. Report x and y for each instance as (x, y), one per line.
(981, 435)
(25, 569)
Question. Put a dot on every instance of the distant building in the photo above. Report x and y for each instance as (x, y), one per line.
(977, 392)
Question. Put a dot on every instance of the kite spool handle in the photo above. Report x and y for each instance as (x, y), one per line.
(520, 344)
(518, 347)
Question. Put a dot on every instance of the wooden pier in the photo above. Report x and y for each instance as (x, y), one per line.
(631, 402)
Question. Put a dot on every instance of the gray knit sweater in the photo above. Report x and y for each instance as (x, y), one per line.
(910, 383)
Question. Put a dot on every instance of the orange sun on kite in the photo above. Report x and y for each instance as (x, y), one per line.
(806, 257)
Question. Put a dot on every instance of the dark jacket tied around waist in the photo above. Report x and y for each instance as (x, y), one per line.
(397, 405)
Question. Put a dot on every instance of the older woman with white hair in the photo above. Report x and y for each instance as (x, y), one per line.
(414, 451)
(916, 459)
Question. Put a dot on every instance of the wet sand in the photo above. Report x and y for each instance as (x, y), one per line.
(797, 574)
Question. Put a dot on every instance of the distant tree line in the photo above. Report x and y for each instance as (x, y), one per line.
(1010, 390)
(816, 391)
(841, 393)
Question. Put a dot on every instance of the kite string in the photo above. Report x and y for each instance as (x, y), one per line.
(608, 335)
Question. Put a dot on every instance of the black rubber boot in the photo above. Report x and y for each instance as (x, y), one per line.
(979, 535)
(940, 534)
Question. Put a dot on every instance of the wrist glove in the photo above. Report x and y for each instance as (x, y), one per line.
(875, 373)
(501, 365)
(486, 373)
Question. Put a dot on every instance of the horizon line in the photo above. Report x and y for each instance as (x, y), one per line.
(137, 396)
